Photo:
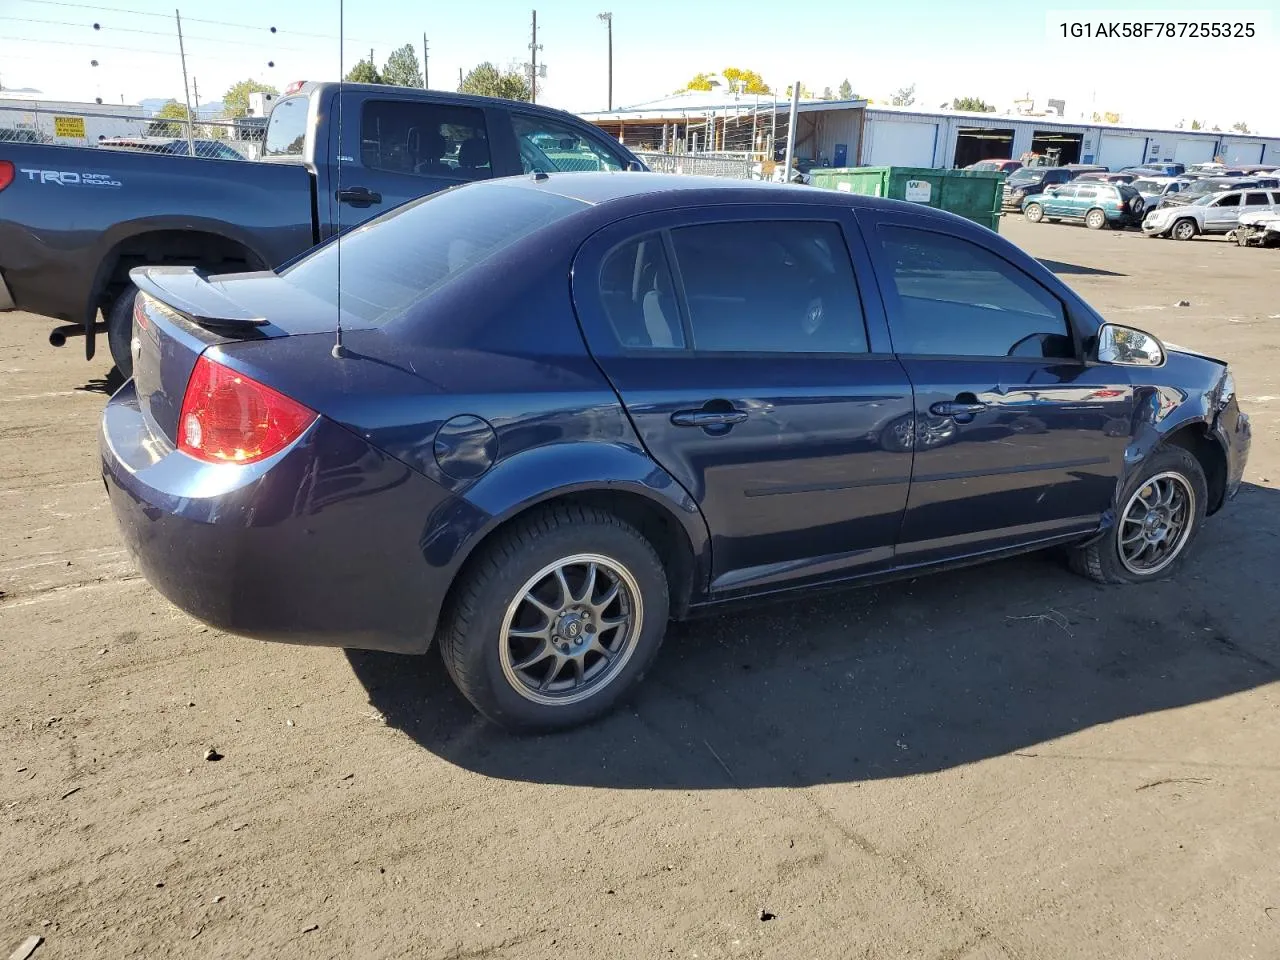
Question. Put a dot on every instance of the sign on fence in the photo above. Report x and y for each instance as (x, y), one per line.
(68, 127)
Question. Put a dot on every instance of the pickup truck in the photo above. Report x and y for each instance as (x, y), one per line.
(74, 221)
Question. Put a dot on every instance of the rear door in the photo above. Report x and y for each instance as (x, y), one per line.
(1255, 200)
(397, 148)
(1083, 200)
(757, 372)
(1024, 440)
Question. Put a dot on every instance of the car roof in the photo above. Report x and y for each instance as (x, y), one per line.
(665, 191)
(434, 96)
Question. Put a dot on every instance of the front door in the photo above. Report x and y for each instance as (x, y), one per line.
(394, 150)
(1025, 441)
(757, 372)
(1223, 213)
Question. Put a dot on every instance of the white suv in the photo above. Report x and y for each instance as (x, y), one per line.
(1212, 213)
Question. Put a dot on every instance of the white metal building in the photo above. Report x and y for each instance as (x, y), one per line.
(902, 136)
(68, 122)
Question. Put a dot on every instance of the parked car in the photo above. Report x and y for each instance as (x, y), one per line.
(1029, 181)
(996, 166)
(1108, 177)
(1098, 205)
(176, 146)
(531, 435)
(1208, 186)
(1258, 229)
(75, 221)
(1166, 168)
(1153, 190)
(1079, 168)
(1211, 213)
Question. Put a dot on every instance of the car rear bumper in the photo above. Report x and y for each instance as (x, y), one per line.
(320, 544)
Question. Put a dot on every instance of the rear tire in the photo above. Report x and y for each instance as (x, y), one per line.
(1105, 560)
(1034, 212)
(494, 633)
(1095, 219)
(120, 330)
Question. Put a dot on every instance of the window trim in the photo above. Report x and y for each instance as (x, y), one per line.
(485, 119)
(893, 303)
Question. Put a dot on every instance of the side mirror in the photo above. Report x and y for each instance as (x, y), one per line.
(1128, 347)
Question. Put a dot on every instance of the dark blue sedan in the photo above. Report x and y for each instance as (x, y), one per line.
(562, 410)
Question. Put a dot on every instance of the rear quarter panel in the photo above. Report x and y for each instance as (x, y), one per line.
(69, 207)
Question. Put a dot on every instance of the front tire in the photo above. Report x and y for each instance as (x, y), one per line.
(120, 330)
(1095, 219)
(557, 620)
(1034, 212)
(1184, 229)
(1160, 511)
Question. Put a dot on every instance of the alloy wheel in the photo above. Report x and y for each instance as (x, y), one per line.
(570, 629)
(1156, 523)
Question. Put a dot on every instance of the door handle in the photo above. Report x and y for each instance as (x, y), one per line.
(358, 196)
(707, 418)
(954, 408)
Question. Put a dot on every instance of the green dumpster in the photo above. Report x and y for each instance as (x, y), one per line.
(973, 194)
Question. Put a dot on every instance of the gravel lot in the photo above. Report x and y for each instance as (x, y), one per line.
(1006, 762)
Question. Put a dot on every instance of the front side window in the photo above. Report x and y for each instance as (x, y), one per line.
(1230, 200)
(550, 146)
(771, 287)
(957, 298)
(426, 139)
(286, 128)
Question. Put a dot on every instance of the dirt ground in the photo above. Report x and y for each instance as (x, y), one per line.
(1006, 762)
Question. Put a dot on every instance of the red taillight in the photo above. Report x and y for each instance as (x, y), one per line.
(6, 173)
(230, 418)
(294, 87)
(140, 312)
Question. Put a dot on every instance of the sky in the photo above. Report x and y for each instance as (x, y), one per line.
(996, 50)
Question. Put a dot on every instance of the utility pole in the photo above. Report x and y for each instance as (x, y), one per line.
(533, 62)
(195, 94)
(608, 21)
(791, 131)
(459, 79)
(186, 90)
(426, 83)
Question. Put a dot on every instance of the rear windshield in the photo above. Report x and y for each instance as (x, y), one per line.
(1146, 186)
(394, 261)
(1026, 174)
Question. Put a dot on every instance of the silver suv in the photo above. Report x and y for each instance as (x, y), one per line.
(1211, 213)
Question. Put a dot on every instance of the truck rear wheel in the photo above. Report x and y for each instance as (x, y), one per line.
(120, 330)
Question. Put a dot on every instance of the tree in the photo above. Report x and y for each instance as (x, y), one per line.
(1240, 127)
(402, 68)
(805, 92)
(973, 104)
(846, 90)
(170, 112)
(1196, 124)
(904, 97)
(364, 72)
(1216, 128)
(745, 81)
(739, 81)
(488, 81)
(236, 99)
(827, 94)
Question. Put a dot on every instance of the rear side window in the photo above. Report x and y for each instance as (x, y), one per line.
(287, 128)
(391, 263)
(959, 299)
(555, 147)
(425, 139)
(771, 287)
(1086, 191)
(639, 295)
(1257, 200)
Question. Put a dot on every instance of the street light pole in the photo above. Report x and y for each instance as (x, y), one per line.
(608, 21)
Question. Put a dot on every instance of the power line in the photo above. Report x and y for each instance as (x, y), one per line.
(165, 16)
(153, 33)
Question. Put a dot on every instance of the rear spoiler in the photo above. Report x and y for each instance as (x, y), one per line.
(188, 291)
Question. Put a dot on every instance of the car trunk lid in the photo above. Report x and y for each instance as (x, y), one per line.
(180, 312)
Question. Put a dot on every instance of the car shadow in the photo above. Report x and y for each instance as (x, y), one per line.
(1078, 269)
(909, 678)
(107, 385)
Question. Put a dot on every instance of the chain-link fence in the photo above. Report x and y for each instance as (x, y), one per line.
(739, 167)
(73, 125)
